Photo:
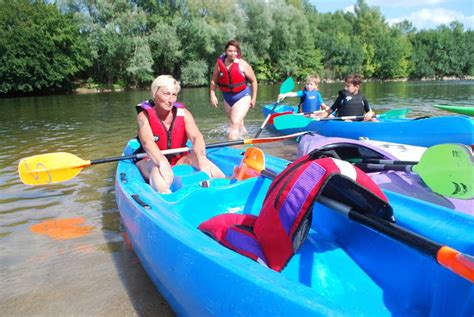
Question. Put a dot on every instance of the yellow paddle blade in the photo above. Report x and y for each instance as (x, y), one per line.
(50, 168)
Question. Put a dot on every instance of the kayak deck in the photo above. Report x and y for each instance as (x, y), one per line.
(343, 268)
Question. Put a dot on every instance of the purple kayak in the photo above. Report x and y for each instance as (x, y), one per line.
(409, 184)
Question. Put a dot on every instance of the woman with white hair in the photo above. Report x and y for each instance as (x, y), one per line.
(164, 124)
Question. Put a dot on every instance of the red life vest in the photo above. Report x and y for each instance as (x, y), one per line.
(277, 233)
(173, 138)
(232, 79)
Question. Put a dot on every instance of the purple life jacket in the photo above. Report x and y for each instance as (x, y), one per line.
(276, 234)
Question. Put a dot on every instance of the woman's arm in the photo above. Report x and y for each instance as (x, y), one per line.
(248, 71)
(213, 86)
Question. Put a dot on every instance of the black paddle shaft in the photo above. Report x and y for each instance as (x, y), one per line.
(385, 167)
(118, 158)
(381, 225)
(389, 162)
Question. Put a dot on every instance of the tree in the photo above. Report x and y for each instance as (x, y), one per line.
(41, 49)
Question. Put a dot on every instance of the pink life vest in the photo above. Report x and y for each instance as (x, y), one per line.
(276, 234)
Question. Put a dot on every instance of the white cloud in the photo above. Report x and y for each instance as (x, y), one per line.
(429, 18)
(404, 3)
(350, 9)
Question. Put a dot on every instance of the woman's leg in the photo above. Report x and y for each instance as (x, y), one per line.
(151, 173)
(211, 169)
(236, 115)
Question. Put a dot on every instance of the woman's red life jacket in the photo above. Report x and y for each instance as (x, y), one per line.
(173, 138)
(232, 79)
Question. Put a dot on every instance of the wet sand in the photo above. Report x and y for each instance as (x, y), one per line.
(96, 284)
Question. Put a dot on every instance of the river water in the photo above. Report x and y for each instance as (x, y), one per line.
(61, 246)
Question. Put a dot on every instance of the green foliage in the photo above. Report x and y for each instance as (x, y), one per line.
(47, 47)
(141, 62)
(194, 73)
(41, 49)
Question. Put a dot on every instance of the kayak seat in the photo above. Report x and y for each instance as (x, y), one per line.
(186, 175)
(277, 233)
(235, 231)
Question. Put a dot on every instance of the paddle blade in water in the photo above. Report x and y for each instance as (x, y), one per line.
(50, 168)
(287, 85)
(454, 162)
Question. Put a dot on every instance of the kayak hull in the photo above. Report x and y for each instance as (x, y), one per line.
(423, 132)
(267, 109)
(361, 272)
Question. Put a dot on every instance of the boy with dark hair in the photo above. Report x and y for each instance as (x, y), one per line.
(351, 101)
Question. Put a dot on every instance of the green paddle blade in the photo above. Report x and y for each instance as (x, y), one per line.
(287, 85)
(291, 121)
(395, 113)
(448, 170)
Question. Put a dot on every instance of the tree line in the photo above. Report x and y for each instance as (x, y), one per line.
(48, 47)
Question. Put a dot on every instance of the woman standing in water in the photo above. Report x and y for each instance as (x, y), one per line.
(231, 74)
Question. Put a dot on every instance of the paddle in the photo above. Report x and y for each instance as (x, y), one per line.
(296, 121)
(285, 87)
(394, 113)
(273, 116)
(447, 169)
(339, 118)
(455, 261)
(58, 167)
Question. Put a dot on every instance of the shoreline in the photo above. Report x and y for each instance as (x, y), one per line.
(85, 90)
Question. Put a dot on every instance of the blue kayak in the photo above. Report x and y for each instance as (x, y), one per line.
(421, 132)
(267, 109)
(343, 268)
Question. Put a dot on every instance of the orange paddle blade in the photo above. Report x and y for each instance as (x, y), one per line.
(254, 158)
(50, 168)
(252, 163)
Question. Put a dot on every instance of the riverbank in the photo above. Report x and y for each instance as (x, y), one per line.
(88, 90)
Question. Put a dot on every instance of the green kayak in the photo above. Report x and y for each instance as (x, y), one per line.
(457, 109)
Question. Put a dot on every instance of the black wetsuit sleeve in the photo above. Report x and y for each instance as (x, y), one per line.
(337, 103)
(366, 104)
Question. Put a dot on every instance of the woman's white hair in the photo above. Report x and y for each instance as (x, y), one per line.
(164, 81)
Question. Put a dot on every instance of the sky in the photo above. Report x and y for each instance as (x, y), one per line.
(423, 14)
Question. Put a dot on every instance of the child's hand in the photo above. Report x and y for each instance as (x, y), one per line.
(281, 97)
